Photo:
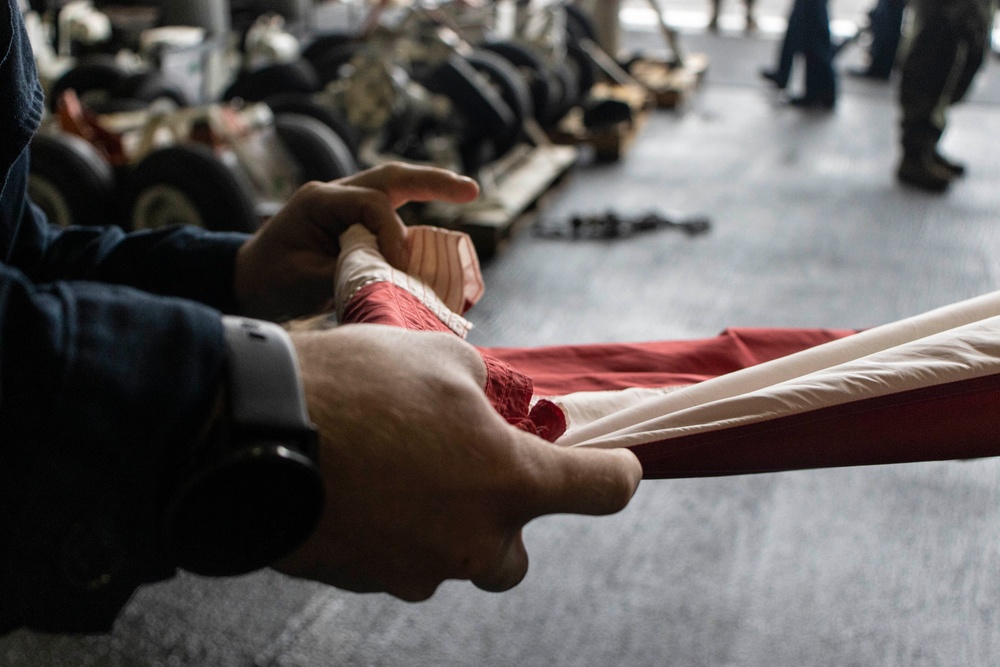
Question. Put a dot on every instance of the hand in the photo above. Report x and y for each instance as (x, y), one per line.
(424, 480)
(288, 267)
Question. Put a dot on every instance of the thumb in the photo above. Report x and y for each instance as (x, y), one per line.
(581, 480)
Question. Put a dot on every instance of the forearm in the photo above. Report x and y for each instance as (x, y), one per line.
(102, 392)
(184, 262)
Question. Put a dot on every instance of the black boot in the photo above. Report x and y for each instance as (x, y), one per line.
(819, 102)
(956, 169)
(920, 170)
(775, 78)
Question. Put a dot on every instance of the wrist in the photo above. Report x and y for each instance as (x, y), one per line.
(250, 491)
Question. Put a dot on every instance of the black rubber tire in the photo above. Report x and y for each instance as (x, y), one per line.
(579, 27)
(536, 72)
(98, 76)
(305, 105)
(513, 88)
(481, 105)
(222, 200)
(317, 49)
(150, 87)
(71, 182)
(330, 63)
(320, 154)
(259, 84)
(487, 117)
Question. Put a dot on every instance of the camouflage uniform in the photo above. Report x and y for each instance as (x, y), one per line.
(950, 41)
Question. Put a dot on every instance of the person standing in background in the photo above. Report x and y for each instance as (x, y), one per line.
(886, 24)
(950, 41)
(713, 21)
(808, 33)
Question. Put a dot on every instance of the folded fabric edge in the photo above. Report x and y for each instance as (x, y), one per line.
(962, 352)
(897, 428)
(361, 264)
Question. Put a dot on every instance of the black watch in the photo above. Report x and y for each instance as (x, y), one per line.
(252, 492)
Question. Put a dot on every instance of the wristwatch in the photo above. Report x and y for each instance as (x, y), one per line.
(252, 491)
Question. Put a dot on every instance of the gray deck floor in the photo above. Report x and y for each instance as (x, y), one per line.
(895, 565)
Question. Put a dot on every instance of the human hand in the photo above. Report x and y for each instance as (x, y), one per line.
(287, 268)
(424, 480)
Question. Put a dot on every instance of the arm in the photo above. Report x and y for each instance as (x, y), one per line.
(105, 392)
(184, 262)
(285, 270)
(102, 390)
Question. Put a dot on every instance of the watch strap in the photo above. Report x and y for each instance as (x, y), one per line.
(252, 492)
(265, 389)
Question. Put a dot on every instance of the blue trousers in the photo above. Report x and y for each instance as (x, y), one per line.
(886, 26)
(809, 34)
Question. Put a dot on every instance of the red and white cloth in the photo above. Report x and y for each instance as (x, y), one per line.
(749, 400)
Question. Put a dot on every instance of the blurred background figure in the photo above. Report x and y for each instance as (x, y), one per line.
(713, 21)
(950, 41)
(808, 33)
(885, 26)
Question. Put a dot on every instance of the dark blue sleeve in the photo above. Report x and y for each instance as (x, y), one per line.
(111, 352)
(102, 392)
(186, 262)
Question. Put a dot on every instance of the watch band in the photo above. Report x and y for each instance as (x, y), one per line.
(265, 390)
(253, 491)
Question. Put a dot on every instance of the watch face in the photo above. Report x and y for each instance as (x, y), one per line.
(244, 511)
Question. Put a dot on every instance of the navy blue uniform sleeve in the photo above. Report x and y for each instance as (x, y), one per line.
(103, 388)
(111, 352)
(185, 262)
(102, 392)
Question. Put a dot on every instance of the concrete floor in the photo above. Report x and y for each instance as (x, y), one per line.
(896, 565)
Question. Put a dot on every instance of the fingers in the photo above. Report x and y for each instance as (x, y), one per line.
(403, 183)
(580, 480)
(372, 197)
